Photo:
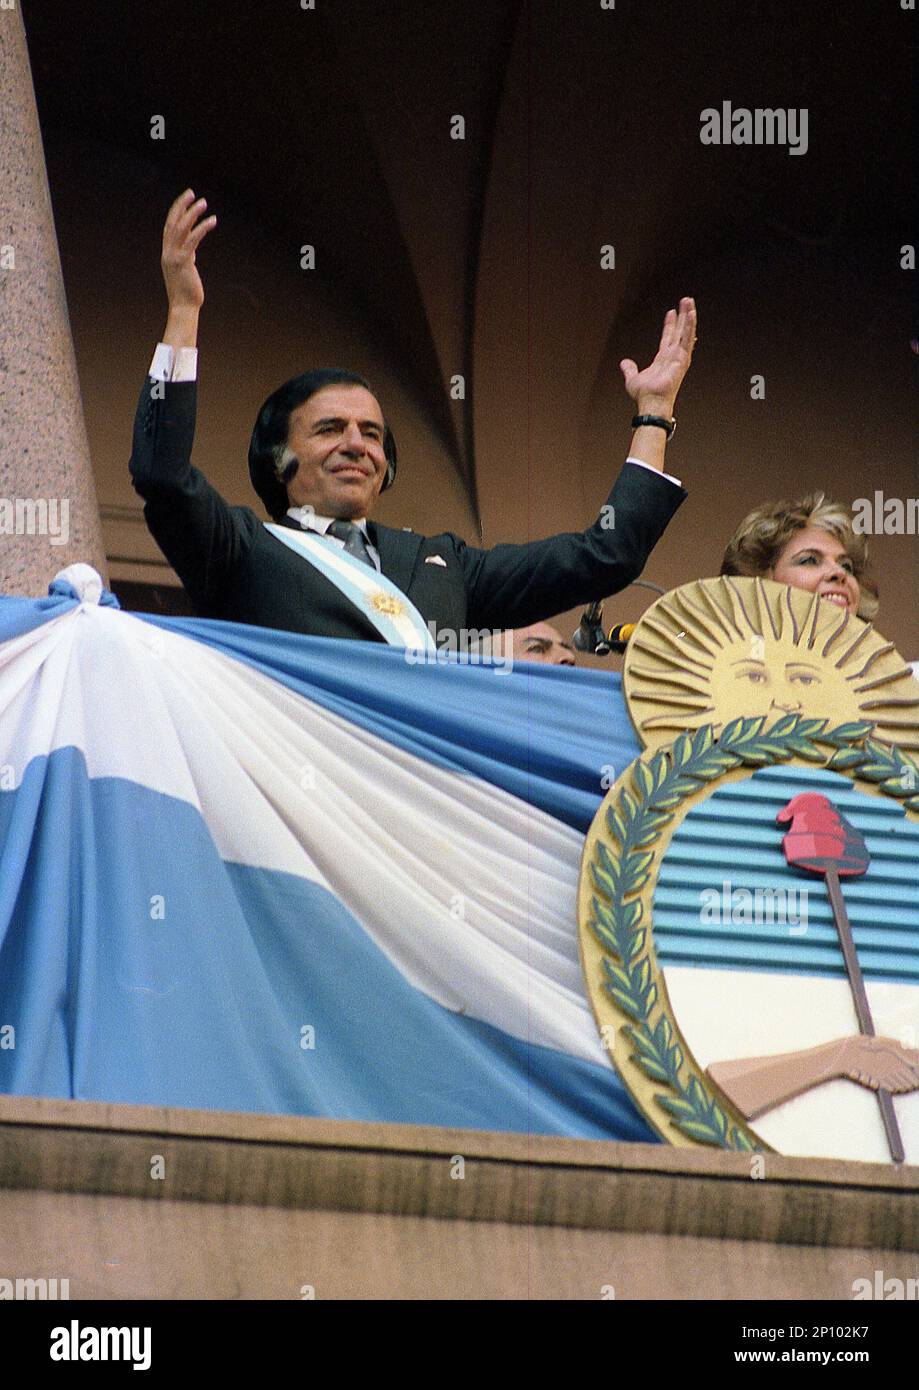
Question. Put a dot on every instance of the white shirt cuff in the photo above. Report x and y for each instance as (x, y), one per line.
(161, 366)
(669, 476)
(168, 365)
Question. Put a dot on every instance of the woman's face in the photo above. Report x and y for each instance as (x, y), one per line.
(815, 560)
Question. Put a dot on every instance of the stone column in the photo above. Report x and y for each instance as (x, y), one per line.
(49, 516)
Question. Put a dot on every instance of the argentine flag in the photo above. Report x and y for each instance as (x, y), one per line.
(249, 870)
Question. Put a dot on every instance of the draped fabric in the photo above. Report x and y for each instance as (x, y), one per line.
(251, 870)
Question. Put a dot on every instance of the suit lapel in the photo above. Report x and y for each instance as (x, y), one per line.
(329, 598)
(398, 553)
(398, 550)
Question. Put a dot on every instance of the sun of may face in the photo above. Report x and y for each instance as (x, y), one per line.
(720, 649)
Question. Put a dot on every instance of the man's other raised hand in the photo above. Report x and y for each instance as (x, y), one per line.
(654, 390)
(185, 229)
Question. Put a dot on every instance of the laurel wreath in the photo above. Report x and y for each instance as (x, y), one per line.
(658, 786)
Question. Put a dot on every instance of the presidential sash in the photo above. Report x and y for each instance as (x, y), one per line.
(393, 615)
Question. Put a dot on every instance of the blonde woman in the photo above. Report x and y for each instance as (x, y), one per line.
(810, 544)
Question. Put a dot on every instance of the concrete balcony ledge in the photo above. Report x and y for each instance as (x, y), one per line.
(291, 1162)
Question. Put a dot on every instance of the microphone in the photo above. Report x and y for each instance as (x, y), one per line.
(589, 635)
(589, 631)
(618, 636)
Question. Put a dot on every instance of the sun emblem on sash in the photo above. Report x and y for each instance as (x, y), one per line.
(748, 904)
(387, 603)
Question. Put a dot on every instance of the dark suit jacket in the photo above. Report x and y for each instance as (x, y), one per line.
(233, 568)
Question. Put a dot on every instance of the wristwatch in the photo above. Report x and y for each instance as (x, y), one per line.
(658, 420)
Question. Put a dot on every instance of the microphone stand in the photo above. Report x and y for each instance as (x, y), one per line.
(589, 636)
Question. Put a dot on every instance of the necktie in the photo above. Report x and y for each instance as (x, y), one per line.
(353, 537)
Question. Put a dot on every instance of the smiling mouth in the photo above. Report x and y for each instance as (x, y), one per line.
(354, 468)
(841, 600)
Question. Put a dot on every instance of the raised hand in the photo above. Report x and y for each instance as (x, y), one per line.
(182, 235)
(654, 390)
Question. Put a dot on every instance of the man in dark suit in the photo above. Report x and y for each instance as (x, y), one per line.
(321, 453)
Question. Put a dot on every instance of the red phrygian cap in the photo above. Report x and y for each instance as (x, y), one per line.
(820, 836)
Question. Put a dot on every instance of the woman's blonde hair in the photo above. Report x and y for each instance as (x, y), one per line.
(761, 537)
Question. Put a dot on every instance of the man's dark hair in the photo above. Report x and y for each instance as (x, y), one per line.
(267, 446)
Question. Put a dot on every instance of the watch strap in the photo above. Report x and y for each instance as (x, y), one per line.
(660, 421)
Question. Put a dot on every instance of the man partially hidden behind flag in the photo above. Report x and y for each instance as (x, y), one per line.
(321, 454)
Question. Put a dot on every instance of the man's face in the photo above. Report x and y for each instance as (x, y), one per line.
(338, 437)
(541, 642)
